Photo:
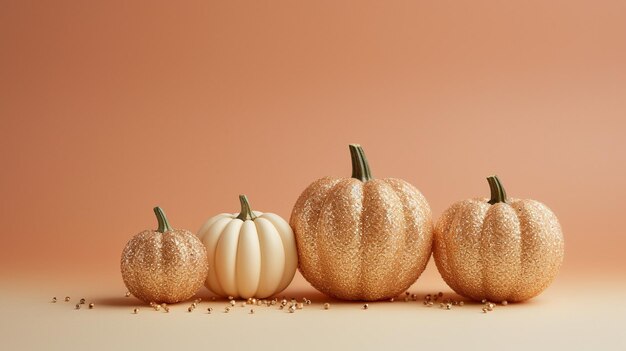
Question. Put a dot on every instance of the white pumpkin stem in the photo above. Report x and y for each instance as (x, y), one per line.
(164, 224)
(498, 194)
(246, 212)
(360, 166)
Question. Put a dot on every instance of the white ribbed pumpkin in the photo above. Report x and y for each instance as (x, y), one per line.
(251, 253)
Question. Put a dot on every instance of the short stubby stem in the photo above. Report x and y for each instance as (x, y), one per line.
(360, 166)
(164, 224)
(498, 194)
(246, 212)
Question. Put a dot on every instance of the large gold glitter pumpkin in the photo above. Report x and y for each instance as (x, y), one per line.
(361, 238)
(164, 265)
(498, 249)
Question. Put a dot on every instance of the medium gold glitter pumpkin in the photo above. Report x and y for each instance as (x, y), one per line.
(164, 265)
(361, 238)
(498, 249)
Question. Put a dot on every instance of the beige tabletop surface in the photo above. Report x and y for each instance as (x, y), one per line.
(574, 313)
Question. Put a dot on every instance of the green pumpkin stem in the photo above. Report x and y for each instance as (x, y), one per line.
(246, 212)
(498, 194)
(164, 224)
(360, 167)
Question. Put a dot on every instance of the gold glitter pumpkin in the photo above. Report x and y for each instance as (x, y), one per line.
(361, 238)
(498, 249)
(164, 265)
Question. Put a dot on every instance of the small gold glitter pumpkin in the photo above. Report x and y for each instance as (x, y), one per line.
(498, 249)
(164, 265)
(361, 238)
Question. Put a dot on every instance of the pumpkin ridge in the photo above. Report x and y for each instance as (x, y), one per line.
(263, 233)
(364, 286)
(483, 207)
(481, 250)
(446, 249)
(518, 206)
(545, 215)
(520, 248)
(129, 275)
(211, 257)
(361, 285)
(158, 238)
(249, 230)
(401, 249)
(317, 271)
(497, 282)
(308, 194)
(199, 265)
(467, 232)
(179, 248)
(449, 238)
(412, 267)
(288, 272)
(229, 289)
(441, 251)
(183, 250)
(312, 270)
(206, 226)
(323, 252)
(147, 251)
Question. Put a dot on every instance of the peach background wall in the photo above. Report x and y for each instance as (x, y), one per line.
(110, 108)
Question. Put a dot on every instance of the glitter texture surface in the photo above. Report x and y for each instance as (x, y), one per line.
(507, 251)
(362, 241)
(164, 267)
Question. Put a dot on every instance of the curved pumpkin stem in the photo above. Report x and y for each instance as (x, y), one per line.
(246, 212)
(164, 224)
(498, 194)
(360, 166)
